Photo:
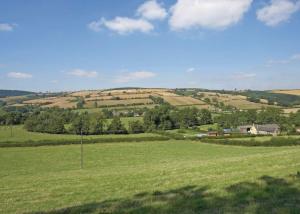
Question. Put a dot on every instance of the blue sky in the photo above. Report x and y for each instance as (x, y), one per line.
(71, 45)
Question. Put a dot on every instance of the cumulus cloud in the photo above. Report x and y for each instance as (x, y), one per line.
(217, 14)
(152, 10)
(134, 76)
(122, 25)
(83, 73)
(19, 75)
(7, 27)
(277, 11)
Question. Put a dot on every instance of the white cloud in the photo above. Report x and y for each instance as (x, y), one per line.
(214, 14)
(7, 27)
(122, 25)
(19, 75)
(95, 25)
(152, 10)
(83, 73)
(134, 76)
(277, 11)
(190, 70)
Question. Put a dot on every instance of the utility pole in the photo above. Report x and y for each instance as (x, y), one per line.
(81, 151)
(11, 130)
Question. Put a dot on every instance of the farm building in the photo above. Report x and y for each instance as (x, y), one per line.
(265, 129)
(245, 129)
(213, 134)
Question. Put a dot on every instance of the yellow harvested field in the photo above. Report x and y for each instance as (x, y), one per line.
(291, 110)
(182, 101)
(244, 104)
(237, 101)
(119, 102)
(291, 92)
(61, 102)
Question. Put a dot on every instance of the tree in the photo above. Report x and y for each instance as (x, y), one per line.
(135, 127)
(205, 117)
(95, 104)
(80, 103)
(97, 125)
(116, 126)
(107, 113)
(81, 124)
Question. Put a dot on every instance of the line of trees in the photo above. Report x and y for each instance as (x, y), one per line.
(163, 117)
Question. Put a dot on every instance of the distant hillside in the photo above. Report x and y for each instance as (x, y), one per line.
(9, 93)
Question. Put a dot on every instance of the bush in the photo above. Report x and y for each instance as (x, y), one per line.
(275, 141)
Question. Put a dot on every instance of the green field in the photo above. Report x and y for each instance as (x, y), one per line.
(150, 177)
(20, 135)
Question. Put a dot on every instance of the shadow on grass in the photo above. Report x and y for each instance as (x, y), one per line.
(267, 195)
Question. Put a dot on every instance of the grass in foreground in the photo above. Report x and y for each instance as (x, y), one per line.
(152, 177)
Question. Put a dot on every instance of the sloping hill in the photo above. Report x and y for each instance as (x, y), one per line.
(10, 93)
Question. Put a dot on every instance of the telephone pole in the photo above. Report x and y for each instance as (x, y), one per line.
(81, 150)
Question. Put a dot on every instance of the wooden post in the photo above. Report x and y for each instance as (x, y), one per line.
(11, 132)
(81, 151)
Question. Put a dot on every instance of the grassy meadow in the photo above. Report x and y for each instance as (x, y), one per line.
(21, 136)
(152, 177)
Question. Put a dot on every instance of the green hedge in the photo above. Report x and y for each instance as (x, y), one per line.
(31, 143)
(275, 141)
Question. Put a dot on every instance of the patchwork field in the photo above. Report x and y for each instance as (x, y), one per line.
(126, 102)
(237, 101)
(182, 100)
(151, 177)
(104, 98)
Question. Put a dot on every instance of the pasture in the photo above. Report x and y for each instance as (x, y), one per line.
(21, 136)
(150, 177)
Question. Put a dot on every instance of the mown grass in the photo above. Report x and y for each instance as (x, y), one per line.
(21, 137)
(152, 177)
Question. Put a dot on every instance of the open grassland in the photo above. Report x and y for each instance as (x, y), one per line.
(23, 137)
(182, 100)
(151, 177)
(291, 92)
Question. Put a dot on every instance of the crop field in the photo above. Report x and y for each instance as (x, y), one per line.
(150, 177)
(237, 101)
(62, 102)
(120, 102)
(291, 92)
(244, 104)
(182, 100)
